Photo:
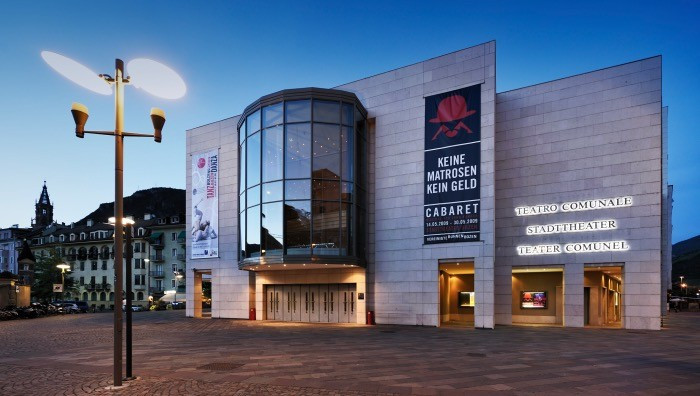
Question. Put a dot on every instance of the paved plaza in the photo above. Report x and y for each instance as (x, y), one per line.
(175, 355)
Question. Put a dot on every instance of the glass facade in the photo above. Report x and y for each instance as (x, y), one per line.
(303, 183)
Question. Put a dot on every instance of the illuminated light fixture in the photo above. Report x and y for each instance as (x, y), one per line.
(156, 78)
(125, 221)
(76, 72)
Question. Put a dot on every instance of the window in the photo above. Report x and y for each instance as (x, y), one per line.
(82, 265)
(272, 153)
(174, 268)
(137, 247)
(83, 236)
(253, 161)
(82, 280)
(161, 221)
(139, 296)
(61, 238)
(140, 232)
(104, 280)
(104, 264)
(173, 236)
(272, 229)
(173, 282)
(94, 266)
(137, 263)
(92, 280)
(72, 237)
(174, 219)
(298, 151)
(139, 280)
(174, 252)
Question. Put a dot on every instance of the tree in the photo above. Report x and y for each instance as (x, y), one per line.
(46, 274)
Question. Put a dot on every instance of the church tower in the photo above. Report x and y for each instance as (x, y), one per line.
(43, 215)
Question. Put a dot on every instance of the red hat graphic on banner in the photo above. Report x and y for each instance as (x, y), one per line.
(450, 109)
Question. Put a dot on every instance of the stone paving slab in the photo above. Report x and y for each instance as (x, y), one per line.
(173, 355)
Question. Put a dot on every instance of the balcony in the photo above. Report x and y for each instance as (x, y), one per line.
(106, 286)
(155, 290)
(157, 258)
(157, 274)
(181, 257)
(90, 286)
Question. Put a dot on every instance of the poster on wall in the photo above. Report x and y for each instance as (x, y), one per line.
(205, 205)
(452, 195)
(533, 300)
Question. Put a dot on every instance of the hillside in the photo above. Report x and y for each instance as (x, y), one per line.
(686, 262)
(160, 201)
(687, 246)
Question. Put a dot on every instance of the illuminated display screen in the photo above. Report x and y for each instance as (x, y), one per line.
(533, 300)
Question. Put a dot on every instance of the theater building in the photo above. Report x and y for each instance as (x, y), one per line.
(423, 196)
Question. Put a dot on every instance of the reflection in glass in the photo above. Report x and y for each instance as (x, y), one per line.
(241, 173)
(272, 191)
(327, 190)
(253, 122)
(272, 229)
(297, 189)
(346, 191)
(346, 241)
(325, 111)
(253, 196)
(297, 111)
(297, 217)
(273, 146)
(241, 237)
(346, 142)
(241, 202)
(326, 151)
(348, 110)
(253, 160)
(272, 115)
(298, 151)
(326, 227)
(253, 232)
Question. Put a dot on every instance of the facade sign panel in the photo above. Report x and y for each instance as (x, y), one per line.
(205, 205)
(452, 195)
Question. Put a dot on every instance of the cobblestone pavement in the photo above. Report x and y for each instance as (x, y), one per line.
(174, 355)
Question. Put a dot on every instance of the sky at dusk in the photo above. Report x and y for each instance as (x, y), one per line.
(230, 53)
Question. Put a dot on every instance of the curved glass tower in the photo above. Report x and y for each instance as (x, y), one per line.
(302, 180)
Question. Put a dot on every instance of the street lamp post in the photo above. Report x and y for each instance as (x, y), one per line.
(128, 223)
(63, 267)
(154, 78)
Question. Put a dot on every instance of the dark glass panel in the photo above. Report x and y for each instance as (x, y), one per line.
(346, 192)
(326, 228)
(297, 217)
(272, 191)
(253, 196)
(347, 141)
(326, 151)
(253, 122)
(253, 160)
(241, 236)
(298, 151)
(272, 229)
(273, 151)
(346, 229)
(297, 189)
(326, 190)
(361, 223)
(325, 111)
(253, 232)
(347, 113)
(241, 173)
(297, 111)
(361, 147)
(360, 123)
(272, 115)
(241, 133)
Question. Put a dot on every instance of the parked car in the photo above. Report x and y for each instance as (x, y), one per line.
(178, 304)
(70, 308)
(82, 306)
(134, 308)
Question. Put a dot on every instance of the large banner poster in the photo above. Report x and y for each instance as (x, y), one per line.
(205, 205)
(452, 196)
